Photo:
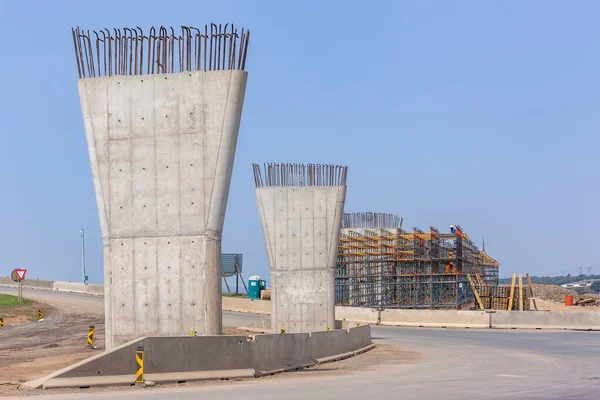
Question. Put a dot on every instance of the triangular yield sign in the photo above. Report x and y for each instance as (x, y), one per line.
(21, 273)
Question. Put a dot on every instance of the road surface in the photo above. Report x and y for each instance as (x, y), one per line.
(456, 364)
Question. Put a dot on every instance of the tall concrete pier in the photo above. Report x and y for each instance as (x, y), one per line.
(301, 208)
(161, 113)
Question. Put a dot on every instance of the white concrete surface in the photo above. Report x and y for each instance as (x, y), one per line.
(436, 318)
(161, 151)
(429, 364)
(246, 305)
(573, 320)
(357, 314)
(301, 228)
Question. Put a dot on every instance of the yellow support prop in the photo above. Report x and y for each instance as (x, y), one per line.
(512, 292)
(531, 292)
(475, 292)
(520, 292)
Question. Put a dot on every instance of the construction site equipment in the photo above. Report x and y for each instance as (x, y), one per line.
(231, 265)
(502, 297)
(256, 285)
(584, 302)
(381, 265)
(568, 300)
(531, 292)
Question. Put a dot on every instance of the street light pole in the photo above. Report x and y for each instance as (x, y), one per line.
(82, 234)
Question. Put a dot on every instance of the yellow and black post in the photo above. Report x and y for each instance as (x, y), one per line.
(139, 358)
(40, 314)
(1, 322)
(91, 336)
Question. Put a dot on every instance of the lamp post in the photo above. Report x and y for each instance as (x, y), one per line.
(82, 234)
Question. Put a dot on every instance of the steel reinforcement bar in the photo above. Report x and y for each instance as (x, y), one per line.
(129, 51)
(370, 220)
(284, 174)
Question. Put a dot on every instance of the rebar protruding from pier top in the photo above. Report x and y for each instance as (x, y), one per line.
(129, 51)
(284, 174)
(370, 220)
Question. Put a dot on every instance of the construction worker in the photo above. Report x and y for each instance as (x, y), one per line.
(449, 268)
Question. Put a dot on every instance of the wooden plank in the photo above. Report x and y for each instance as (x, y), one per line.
(480, 279)
(531, 292)
(475, 292)
(512, 292)
(520, 292)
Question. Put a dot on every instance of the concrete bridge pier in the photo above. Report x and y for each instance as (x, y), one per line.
(301, 208)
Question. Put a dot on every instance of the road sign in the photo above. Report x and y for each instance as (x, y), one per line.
(229, 262)
(20, 273)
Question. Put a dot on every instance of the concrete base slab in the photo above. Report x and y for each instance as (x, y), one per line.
(179, 359)
(349, 354)
(264, 325)
(172, 377)
(364, 349)
(278, 370)
(89, 381)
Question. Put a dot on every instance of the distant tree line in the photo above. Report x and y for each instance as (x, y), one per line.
(555, 280)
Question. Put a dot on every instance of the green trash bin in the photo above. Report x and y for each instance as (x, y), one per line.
(255, 285)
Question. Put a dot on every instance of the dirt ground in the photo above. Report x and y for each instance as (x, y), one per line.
(383, 354)
(30, 351)
(21, 314)
(39, 348)
(549, 305)
(35, 349)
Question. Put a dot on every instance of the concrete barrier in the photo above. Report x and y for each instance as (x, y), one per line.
(6, 281)
(436, 318)
(37, 284)
(571, 320)
(360, 337)
(95, 290)
(246, 305)
(278, 353)
(339, 343)
(28, 283)
(357, 314)
(73, 287)
(182, 358)
(261, 326)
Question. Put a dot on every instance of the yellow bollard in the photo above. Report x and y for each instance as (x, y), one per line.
(1, 322)
(90, 336)
(139, 358)
(40, 315)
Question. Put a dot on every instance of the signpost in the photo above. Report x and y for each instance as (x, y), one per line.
(17, 275)
(231, 264)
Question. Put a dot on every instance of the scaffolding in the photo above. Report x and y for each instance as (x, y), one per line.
(381, 265)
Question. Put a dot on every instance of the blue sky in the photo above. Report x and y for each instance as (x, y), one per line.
(478, 113)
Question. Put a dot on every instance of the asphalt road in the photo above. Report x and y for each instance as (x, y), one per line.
(456, 364)
(94, 306)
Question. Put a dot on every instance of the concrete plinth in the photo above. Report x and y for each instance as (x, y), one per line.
(301, 227)
(161, 152)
